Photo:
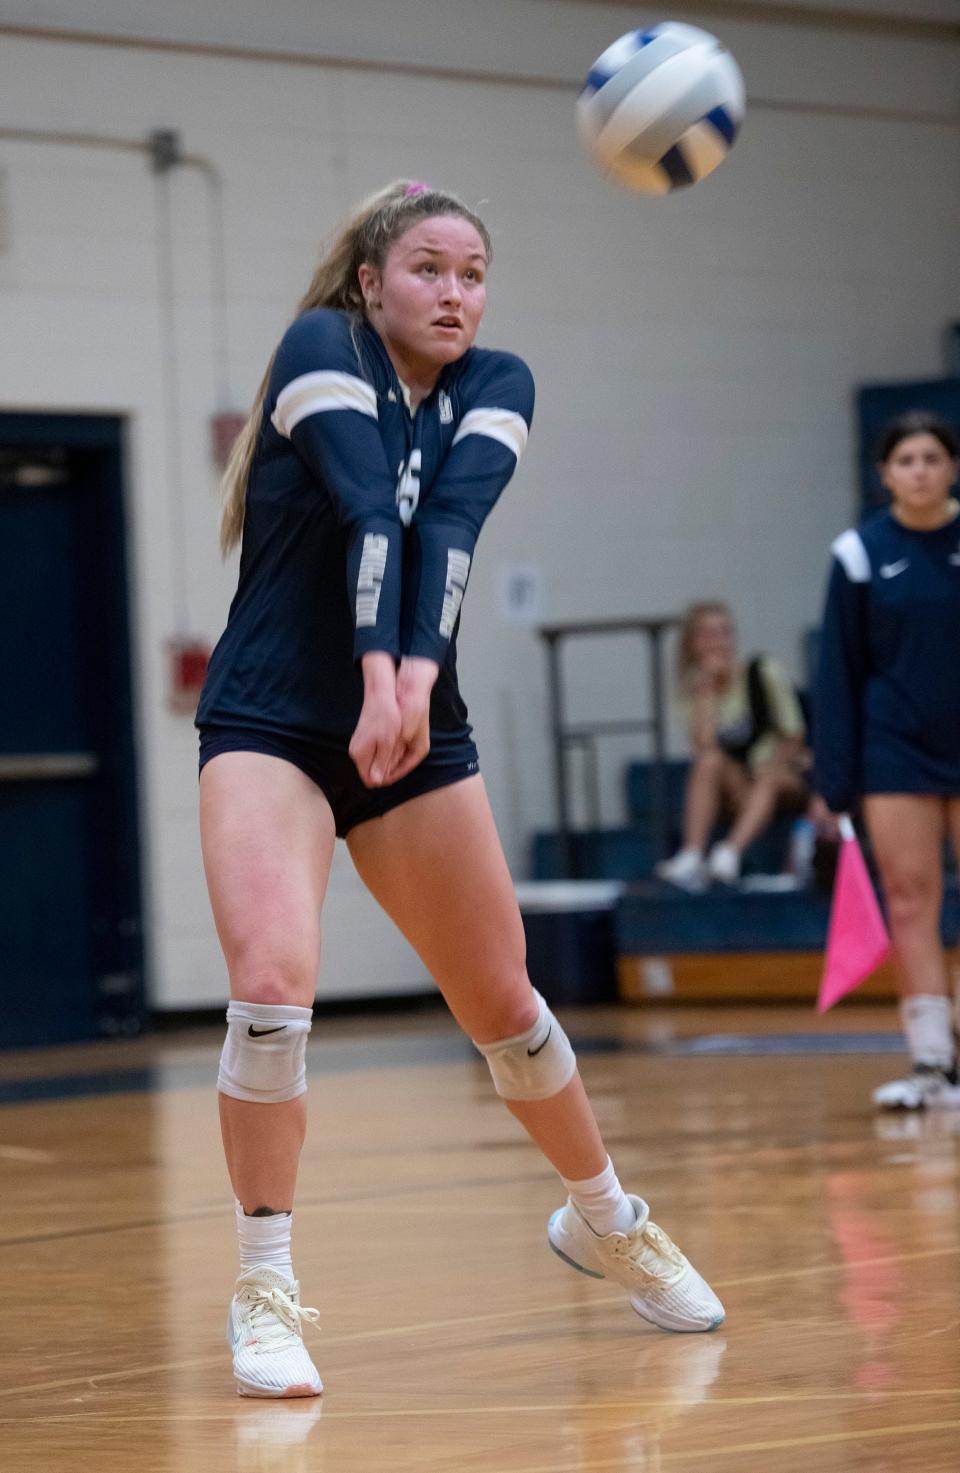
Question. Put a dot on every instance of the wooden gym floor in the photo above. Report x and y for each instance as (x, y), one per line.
(452, 1340)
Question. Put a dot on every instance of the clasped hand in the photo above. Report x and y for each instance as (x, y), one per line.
(393, 733)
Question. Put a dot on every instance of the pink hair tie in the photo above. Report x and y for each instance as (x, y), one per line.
(413, 189)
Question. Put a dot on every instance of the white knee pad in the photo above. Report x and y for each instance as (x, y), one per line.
(263, 1058)
(536, 1064)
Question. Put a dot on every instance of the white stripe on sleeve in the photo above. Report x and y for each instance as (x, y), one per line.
(315, 393)
(373, 568)
(500, 424)
(848, 548)
(458, 571)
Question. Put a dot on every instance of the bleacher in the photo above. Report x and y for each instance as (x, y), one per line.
(600, 924)
(760, 940)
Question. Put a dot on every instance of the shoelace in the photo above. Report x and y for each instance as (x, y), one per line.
(274, 1317)
(654, 1254)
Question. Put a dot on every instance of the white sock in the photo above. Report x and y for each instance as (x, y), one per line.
(603, 1202)
(927, 1023)
(265, 1241)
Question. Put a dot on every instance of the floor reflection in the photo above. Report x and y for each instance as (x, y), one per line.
(275, 1436)
(670, 1377)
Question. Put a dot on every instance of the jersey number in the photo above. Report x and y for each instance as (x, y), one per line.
(408, 487)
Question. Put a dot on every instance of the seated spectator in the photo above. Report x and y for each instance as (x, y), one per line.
(748, 738)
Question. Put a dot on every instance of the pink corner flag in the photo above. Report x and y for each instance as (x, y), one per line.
(857, 940)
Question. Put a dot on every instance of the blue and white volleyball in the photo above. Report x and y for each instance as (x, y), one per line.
(661, 108)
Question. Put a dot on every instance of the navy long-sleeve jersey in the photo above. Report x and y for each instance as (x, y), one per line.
(360, 527)
(886, 715)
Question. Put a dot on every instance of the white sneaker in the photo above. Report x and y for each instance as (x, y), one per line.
(264, 1330)
(723, 864)
(666, 1288)
(926, 1085)
(686, 870)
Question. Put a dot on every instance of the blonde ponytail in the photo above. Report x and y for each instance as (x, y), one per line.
(365, 236)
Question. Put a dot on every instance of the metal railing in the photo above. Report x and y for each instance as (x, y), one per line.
(583, 735)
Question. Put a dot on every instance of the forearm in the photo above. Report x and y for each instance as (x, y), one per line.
(416, 678)
(379, 675)
(703, 723)
(444, 553)
(838, 702)
(374, 557)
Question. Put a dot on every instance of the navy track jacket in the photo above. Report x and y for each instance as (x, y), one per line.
(886, 715)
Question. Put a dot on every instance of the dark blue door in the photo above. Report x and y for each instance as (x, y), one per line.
(70, 935)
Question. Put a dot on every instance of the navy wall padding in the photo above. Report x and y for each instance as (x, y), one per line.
(653, 920)
(640, 788)
(571, 956)
(878, 404)
(630, 854)
(599, 854)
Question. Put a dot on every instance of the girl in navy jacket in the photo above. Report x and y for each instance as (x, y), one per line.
(887, 722)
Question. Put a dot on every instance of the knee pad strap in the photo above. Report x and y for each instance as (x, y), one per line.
(263, 1058)
(534, 1065)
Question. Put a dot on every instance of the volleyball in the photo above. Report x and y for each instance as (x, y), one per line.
(661, 108)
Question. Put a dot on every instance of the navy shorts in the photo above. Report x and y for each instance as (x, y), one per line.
(331, 768)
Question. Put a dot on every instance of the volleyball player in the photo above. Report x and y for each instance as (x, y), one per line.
(378, 444)
(887, 723)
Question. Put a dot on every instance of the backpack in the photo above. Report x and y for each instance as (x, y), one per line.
(737, 740)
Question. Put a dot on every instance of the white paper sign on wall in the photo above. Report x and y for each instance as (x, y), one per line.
(521, 593)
